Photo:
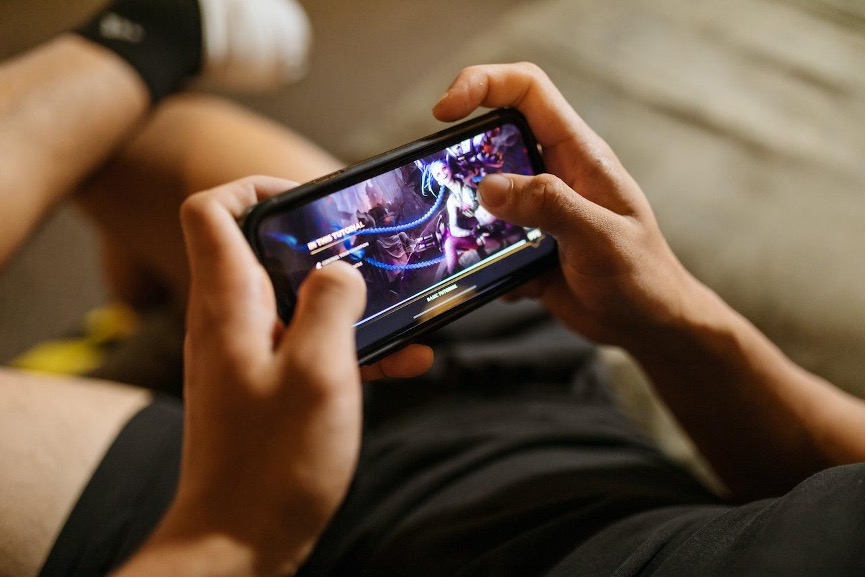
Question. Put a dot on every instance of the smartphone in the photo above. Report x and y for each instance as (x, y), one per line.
(409, 220)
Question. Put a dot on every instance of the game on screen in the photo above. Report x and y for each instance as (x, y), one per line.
(416, 233)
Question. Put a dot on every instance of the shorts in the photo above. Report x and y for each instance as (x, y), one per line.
(496, 464)
(126, 496)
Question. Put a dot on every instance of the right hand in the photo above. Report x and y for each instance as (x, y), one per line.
(619, 281)
(273, 412)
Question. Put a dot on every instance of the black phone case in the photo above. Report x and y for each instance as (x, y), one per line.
(384, 162)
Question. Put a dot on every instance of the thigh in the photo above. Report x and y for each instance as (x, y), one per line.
(54, 431)
(191, 143)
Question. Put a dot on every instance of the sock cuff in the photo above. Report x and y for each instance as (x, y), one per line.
(160, 39)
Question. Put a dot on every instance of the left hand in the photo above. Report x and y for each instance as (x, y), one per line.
(618, 281)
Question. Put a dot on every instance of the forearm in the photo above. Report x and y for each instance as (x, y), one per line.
(63, 108)
(762, 421)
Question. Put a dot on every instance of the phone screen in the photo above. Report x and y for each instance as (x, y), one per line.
(415, 231)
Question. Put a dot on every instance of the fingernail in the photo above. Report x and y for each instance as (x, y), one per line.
(494, 190)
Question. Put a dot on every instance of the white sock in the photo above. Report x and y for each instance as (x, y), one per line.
(253, 45)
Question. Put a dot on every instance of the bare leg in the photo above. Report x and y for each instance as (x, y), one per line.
(63, 108)
(193, 142)
(53, 433)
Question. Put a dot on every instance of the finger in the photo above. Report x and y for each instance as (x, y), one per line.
(229, 291)
(523, 86)
(542, 201)
(411, 361)
(209, 221)
(571, 148)
(321, 331)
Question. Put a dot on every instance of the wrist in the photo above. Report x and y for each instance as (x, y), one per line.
(695, 315)
(200, 539)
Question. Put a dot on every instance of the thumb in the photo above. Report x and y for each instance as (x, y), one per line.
(330, 301)
(542, 201)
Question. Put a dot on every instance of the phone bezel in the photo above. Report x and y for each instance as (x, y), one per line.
(383, 163)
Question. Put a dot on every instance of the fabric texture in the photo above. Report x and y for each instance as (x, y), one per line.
(508, 458)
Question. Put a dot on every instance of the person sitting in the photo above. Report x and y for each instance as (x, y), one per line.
(268, 466)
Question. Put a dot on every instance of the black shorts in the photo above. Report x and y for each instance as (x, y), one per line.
(486, 494)
(126, 497)
(509, 469)
(541, 485)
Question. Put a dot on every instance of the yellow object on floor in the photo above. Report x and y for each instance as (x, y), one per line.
(81, 354)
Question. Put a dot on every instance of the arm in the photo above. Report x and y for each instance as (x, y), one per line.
(49, 99)
(273, 413)
(763, 422)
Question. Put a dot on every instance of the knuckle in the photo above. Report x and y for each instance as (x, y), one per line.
(601, 164)
(531, 69)
(194, 208)
(469, 70)
(543, 191)
(308, 367)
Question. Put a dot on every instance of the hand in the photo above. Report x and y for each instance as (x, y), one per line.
(763, 422)
(273, 422)
(618, 277)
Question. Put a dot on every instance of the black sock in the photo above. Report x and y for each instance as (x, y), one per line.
(161, 39)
